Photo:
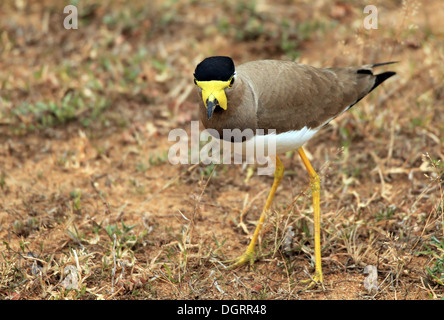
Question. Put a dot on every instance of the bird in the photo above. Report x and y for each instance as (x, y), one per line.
(294, 101)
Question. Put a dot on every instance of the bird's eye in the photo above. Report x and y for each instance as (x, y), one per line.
(231, 83)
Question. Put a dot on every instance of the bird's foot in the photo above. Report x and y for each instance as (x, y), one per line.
(246, 257)
(315, 280)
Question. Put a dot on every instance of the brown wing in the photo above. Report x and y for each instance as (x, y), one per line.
(291, 96)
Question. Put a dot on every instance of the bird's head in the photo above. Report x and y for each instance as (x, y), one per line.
(213, 76)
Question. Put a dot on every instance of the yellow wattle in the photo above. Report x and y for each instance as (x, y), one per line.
(214, 89)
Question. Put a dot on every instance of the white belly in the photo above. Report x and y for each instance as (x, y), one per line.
(258, 149)
(283, 142)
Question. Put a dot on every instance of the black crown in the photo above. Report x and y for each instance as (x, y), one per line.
(215, 68)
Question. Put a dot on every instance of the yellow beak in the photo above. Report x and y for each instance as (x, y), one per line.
(213, 94)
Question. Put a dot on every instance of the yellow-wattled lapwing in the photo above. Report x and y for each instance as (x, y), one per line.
(294, 99)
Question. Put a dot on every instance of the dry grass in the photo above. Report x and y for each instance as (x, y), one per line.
(90, 207)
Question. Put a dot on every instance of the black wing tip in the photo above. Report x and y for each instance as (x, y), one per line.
(383, 63)
(367, 68)
(380, 78)
(365, 71)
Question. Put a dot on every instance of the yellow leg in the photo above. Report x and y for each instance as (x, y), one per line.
(248, 255)
(315, 188)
